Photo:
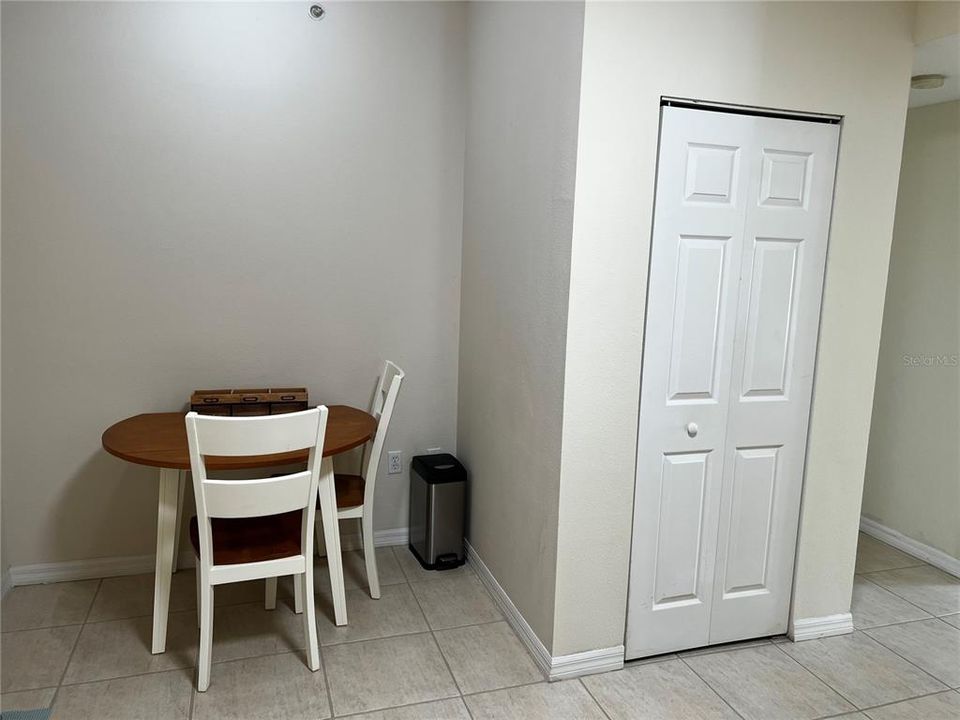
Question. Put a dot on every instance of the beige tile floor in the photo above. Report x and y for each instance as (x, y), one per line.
(435, 646)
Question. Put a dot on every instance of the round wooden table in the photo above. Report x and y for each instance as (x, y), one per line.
(160, 440)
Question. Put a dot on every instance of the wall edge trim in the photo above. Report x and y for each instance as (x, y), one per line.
(558, 667)
(922, 551)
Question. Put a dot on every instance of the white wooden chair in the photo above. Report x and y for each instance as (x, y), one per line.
(355, 492)
(260, 528)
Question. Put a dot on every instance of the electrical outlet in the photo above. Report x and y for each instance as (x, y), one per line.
(394, 464)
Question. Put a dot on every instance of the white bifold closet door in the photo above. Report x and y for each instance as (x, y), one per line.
(741, 221)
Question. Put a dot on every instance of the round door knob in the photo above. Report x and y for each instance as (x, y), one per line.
(692, 429)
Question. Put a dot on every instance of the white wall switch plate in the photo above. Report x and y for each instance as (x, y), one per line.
(394, 464)
(434, 451)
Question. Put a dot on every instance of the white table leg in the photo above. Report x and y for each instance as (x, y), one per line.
(331, 536)
(181, 489)
(166, 532)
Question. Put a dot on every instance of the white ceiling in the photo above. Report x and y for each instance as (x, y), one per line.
(938, 56)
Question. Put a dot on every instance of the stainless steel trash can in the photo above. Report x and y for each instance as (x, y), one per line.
(438, 488)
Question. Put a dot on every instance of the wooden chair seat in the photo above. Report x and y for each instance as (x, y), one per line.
(349, 490)
(254, 539)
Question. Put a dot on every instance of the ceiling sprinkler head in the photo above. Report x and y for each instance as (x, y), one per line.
(927, 82)
(317, 12)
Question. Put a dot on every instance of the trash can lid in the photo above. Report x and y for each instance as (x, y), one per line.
(439, 468)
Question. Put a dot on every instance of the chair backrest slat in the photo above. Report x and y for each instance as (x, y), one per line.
(257, 435)
(250, 498)
(387, 377)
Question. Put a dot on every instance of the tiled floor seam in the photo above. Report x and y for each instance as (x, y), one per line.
(171, 612)
(56, 693)
(926, 672)
(326, 676)
(507, 687)
(595, 701)
(867, 710)
(396, 707)
(433, 632)
(825, 683)
(946, 687)
(410, 632)
(294, 651)
(193, 699)
(896, 594)
(436, 642)
(712, 688)
(894, 624)
(41, 627)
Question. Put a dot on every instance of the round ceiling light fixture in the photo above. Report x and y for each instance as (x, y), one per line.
(927, 82)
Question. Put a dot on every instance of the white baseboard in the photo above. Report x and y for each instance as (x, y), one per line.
(917, 549)
(140, 564)
(80, 569)
(554, 668)
(821, 627)
(587, 663)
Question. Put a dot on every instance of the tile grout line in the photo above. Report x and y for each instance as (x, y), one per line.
(326, 677)
(866, 711)
(893, 624)
(866, 577)
(193, 695)
(433, 635)
(511, 687)
(595, 701)
(56, 693)
(464, 696)
(946, 687)
(411, 632)
(711, 687)
(185, 668)
(821, 680)
(881, 644)
(138, 617)
(429, 630)
(460, 697)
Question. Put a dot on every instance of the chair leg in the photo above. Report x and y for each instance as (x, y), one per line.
(206, 636)
(310, 617)
(370, 552)
(319, 548)
(298, 589)
(270, 599)
(199, 590)
(181, 488)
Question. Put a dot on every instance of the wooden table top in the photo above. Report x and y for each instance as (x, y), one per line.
(160, 440)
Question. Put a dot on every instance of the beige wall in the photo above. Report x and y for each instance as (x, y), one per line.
(524, 72)
(913, 465)
(851, 59)
(936, 20)
(200, 195)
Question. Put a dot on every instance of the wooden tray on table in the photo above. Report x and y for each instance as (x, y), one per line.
(243, 402)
